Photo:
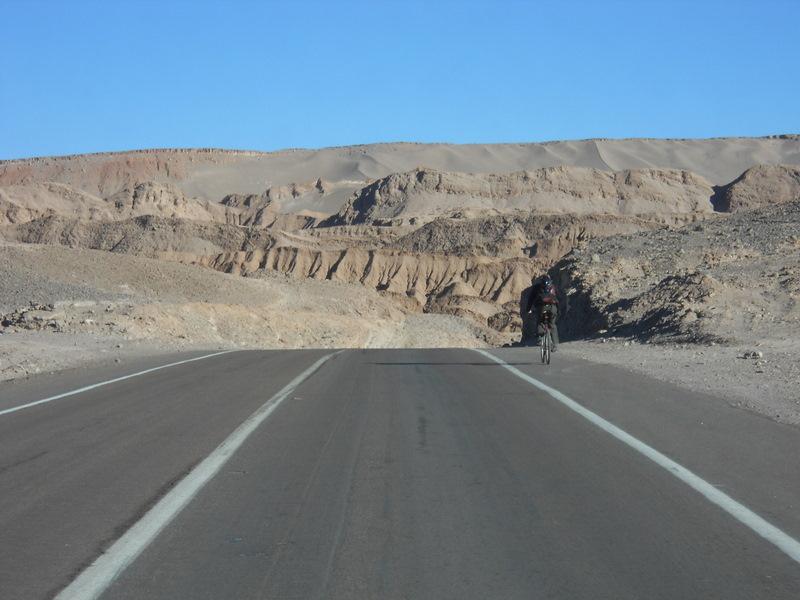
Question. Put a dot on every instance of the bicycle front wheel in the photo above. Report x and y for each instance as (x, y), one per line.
(546, 345)
(543, 348)
(548, 341)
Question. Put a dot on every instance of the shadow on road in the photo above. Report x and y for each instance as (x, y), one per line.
(466, 364)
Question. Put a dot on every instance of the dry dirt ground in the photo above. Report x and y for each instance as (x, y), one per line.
(714, 306)
(685, 250)
(767, 385)
(60, 307)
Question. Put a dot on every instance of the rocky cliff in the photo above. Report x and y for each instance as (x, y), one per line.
(462, 237)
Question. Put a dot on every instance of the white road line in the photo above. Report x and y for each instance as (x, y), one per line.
(93, 581)
(109, 382)
(738, 511)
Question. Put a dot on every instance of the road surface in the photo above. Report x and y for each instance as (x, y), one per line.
(387, 474)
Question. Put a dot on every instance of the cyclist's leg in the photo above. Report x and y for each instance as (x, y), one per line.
(529, 329)
(538, 311)
(554, 328)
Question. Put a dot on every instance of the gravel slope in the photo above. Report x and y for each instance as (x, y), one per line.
(61, 307)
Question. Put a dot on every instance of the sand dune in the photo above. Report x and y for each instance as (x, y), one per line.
(211, 174)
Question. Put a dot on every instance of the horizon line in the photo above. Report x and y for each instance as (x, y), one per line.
(210, 149)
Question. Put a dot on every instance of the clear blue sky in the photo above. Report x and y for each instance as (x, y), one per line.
(83, 76)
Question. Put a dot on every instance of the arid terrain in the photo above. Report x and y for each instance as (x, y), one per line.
(681, 256)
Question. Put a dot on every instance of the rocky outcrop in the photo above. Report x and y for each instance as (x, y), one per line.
(295, 190)
(482, 285)
(544, 237)
(477, 286)
(258, 210)
(163, 199)
(760, 186)
(431, 241)
(725, 279)
(22, 203)
(425, 193)
(151, 236)
(99, 175)
(411, 275)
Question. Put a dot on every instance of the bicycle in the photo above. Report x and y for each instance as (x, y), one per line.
(547, 337)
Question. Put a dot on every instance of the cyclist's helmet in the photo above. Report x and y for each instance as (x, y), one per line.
(547, 280)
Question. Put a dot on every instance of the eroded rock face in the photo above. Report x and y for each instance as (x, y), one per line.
(760, 186)
(639, 251)
(725, 279)
(543, 237)
(150, 196)
(23, 203)
(151, 236)
(100, 175)
(473, 282)
(431, 277)
(425, 193)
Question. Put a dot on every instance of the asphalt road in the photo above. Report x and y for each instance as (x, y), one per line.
(392, 474)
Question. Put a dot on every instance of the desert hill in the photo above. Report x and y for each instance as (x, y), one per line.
(211, 174)
(440, 241)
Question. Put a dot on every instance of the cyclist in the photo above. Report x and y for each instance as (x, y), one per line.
(544, 297)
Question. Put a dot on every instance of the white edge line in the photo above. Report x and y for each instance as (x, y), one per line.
(110, 381)
(738, 511)
(94, 580)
